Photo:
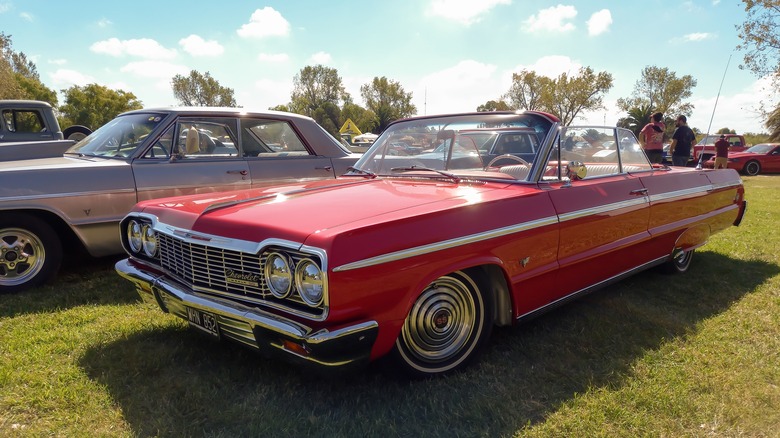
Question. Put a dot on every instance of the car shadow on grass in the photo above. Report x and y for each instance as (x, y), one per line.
(175, 382)
(80, 281)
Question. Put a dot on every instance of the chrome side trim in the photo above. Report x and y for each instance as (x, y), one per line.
(447, 244)
(592, 288)
(718, 186)
(701, 190)
(602, 209)
(65, 195)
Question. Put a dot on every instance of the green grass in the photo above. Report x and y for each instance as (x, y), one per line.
(655, 355)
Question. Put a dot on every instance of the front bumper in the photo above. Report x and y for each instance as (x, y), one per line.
(272, 335)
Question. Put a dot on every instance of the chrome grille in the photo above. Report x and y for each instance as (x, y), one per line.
(206, 269)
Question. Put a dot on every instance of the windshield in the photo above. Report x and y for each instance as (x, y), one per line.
(118, 138)
(761, 149)
(458, 145)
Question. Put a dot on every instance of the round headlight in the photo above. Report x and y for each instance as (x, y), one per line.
(150, 241)
(134, 236)
(309, 282)
(278, 276)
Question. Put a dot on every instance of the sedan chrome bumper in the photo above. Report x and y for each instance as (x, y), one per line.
(270, 334)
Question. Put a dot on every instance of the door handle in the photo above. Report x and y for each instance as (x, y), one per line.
(328, 168)
(642, 192)
(237, 172)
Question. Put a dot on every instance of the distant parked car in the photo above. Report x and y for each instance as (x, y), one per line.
(418, 256)
(761, 158)
(53, 206)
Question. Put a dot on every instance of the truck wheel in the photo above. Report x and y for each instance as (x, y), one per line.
(446, 326)
(76, 132)
(30, 252)
(752, 168)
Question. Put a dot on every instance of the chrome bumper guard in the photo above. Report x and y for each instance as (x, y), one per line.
(270, 334)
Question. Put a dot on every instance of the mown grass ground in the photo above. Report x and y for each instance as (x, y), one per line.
(655, 355)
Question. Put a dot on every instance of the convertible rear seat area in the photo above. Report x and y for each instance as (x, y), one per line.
(519, 171)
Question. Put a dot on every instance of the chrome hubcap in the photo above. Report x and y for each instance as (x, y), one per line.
(441, 322)
(21, 256)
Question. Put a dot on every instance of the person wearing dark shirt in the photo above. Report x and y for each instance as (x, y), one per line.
(682, 140)
(721, 153)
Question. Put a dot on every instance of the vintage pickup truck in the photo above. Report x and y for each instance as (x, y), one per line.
(54, 207)
(29, 129)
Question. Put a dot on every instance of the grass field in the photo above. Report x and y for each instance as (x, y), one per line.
(655, 355)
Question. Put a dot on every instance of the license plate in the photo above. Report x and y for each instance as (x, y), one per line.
(203, 321)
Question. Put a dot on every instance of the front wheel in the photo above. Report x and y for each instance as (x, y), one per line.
(30, 252)
(752, 168)
(446, 326)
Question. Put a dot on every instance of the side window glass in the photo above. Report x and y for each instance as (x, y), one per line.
(270, 138)
(23, 121)
(162, 147)
(632, 156)
(204, 138)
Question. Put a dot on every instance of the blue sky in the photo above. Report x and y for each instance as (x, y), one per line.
(453, 55)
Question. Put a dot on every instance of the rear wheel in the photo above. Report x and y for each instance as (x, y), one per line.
(30, 252)
(752, 168)
(680, 263)
(446, 326)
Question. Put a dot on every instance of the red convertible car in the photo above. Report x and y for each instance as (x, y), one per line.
(761, 158)
(418, 256)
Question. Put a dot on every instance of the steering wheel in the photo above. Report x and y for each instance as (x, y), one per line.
(510, 156)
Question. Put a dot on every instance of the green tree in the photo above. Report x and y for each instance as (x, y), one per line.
(94, 105)
(387, 100)
(19, 77)
(571, 95)
(760, 36)
(661, 90)
(529, 91)
(201, 90)
(494, 105)
(637, 118)
(314, 86)
(773, 124)
(365, 119)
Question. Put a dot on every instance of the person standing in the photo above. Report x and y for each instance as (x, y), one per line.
(721, 153)
(682, 140)
(651, 137)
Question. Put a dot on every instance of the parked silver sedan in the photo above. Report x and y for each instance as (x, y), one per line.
(51, 207)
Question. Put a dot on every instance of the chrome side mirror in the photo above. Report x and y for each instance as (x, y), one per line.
(576, 170)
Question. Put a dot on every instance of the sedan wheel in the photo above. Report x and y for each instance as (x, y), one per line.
(752, 168)
(445, 327)
(30, 252)
(680, 263)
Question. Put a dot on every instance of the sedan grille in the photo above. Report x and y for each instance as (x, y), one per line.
(227, 273)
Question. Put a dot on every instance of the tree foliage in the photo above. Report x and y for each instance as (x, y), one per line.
(19, 77)
(637, 118)
(760, 36)
(201, 90)
(661, 90)
(529, 91)
(313, 87)
(494, 105)
(365, 119)
(94, 105)
(773, 124)
(387, 100)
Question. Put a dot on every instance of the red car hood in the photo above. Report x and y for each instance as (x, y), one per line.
(744, 155)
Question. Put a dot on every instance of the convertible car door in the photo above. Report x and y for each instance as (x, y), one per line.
(196, 155)
(603, 217)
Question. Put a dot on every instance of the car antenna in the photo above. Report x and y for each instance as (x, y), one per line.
(698, 165)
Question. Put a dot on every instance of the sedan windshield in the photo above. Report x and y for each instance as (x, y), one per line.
(118, 138)
(459, 145)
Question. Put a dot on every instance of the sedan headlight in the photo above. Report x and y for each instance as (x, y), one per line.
(149, 241)
(278, 275)
(135, 236)
(309, 282)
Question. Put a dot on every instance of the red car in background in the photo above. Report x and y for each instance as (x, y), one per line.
(419, 256)
(761, 158)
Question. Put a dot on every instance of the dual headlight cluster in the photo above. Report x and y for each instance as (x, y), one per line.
(281, 275)
(141, 238)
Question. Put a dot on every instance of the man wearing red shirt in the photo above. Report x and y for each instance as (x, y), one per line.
(651, 137)
(721, 153)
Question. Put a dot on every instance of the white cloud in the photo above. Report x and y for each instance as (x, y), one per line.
(197, 46)
(58, 61)
(5, 7)
(273, 57)
(104, 22)
(321, 58)
(552, 66)
(599, 22)
(464, 11)
(263, 23)
(155, 69)
(552, 19)
(266, 93)
(65, 78)
(738, 111)
(26, 16)
(142, 48)
(460, 88)
(698, 36)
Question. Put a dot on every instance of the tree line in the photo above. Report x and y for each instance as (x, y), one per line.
(318, 91)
